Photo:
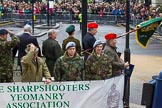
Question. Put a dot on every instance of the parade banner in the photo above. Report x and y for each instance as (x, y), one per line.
(80, 94)
(145, 30)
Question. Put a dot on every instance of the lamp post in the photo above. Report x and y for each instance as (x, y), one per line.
(127, 57)
(84, 17)
(33, 16)
(47, 12)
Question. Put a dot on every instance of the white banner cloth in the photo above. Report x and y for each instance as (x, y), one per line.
(80, 94)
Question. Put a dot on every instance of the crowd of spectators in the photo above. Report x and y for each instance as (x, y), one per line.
(137, 10)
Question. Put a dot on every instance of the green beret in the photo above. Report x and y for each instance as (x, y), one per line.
(71, 28)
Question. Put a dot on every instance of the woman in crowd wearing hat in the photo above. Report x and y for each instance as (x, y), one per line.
(89, 39)
(70, 30)
(33, 67)
(70, 66)
(110, 49)
(6, 60)
(98, 66)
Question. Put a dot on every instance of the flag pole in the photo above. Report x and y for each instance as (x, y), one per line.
(124, 34)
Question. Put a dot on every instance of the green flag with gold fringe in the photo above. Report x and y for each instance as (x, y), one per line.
(145, 30)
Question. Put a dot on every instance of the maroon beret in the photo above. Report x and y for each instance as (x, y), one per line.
(92, 25)
(110, 36)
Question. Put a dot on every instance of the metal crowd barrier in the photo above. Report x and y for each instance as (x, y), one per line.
(64, 17)
(68, 17)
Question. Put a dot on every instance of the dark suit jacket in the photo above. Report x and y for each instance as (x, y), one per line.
(25, 39)
(88, 41)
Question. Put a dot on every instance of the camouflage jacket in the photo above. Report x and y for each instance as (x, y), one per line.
(6, 60)
(69, 69)
(116, 61)
(98, 67)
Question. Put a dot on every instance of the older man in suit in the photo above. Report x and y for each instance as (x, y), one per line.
(25, 39)
(51, 50)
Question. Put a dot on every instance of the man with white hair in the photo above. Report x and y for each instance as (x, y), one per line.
(27, 28)
(25, 39)
(51, 50)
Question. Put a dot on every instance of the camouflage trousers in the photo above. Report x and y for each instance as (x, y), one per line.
(6, 76)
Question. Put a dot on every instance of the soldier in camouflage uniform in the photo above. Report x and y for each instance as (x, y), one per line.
(110, 50)
(6, 59)
(98, 66)
(70, 66)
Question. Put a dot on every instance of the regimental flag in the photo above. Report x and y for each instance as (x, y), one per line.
(145, 30)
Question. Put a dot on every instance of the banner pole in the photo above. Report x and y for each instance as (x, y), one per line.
(124, 34)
